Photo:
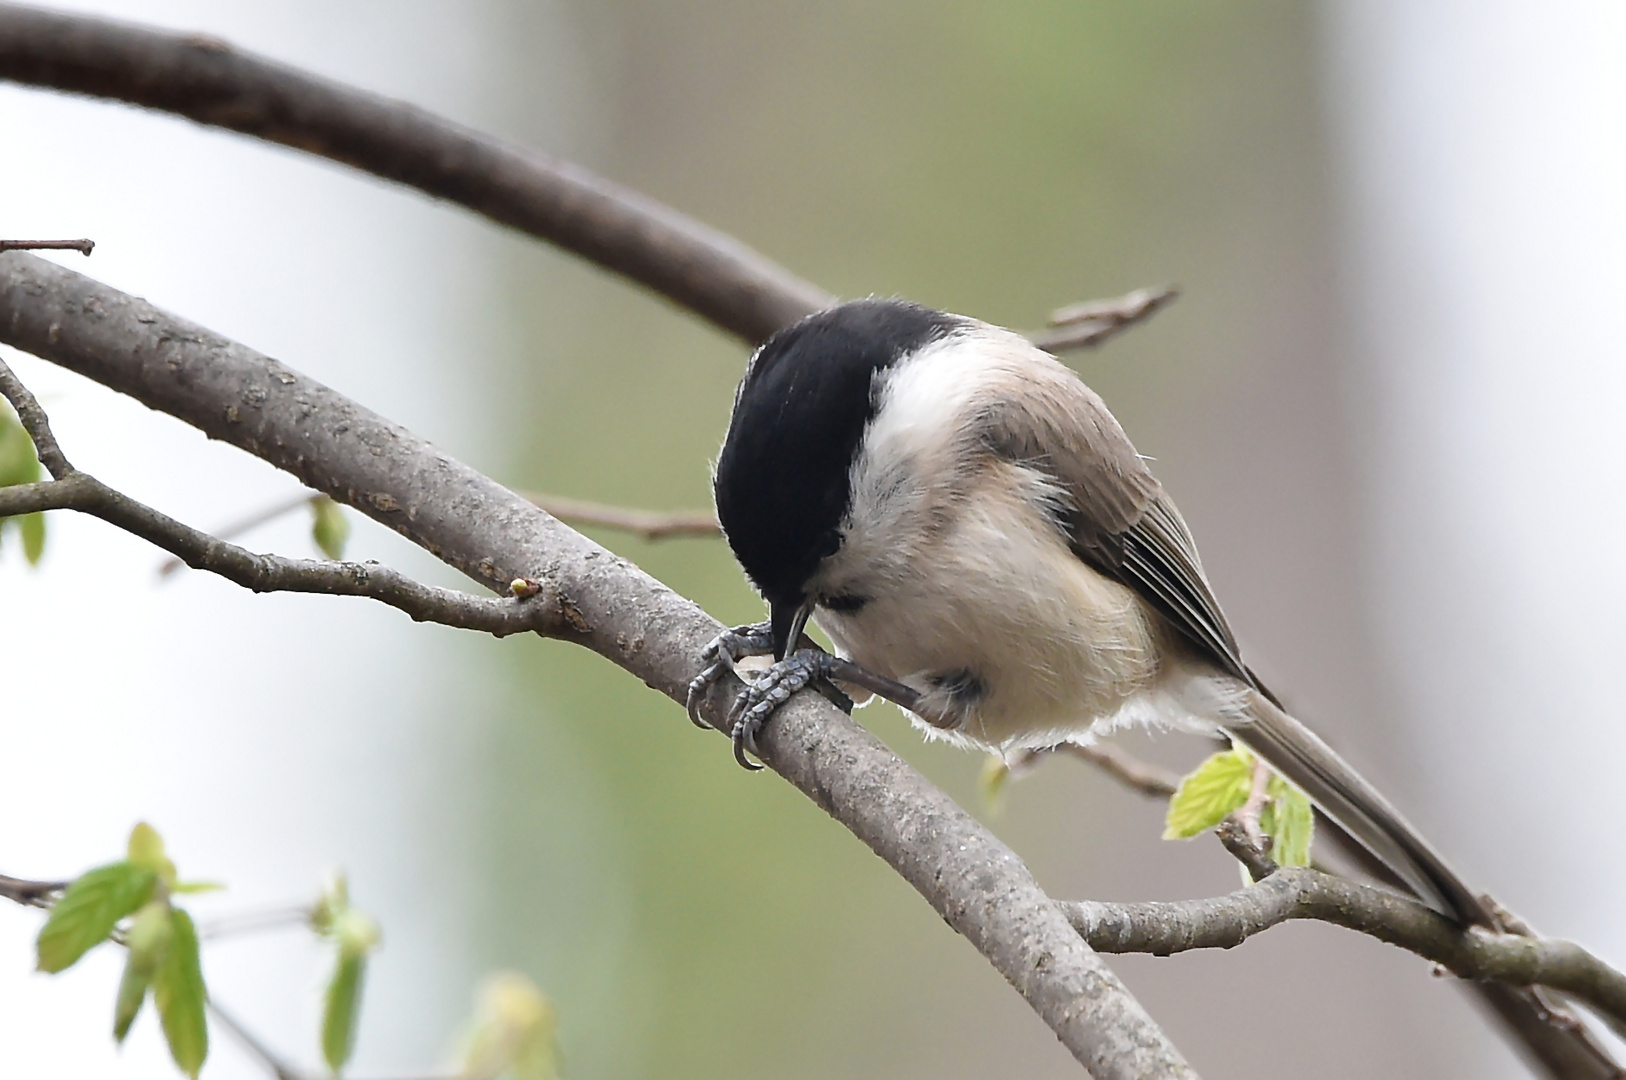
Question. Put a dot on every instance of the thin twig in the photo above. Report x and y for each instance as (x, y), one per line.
(1133, 773)
(1248, 814)
(41, 894)
(37, 425)
(249, 521)
(75, 490)
(1290, 893)
(273, 1062)
(1084, 325)
(254, 922)
(1555, 1037)
(649, 524)
(1248, 846)
(83, 247)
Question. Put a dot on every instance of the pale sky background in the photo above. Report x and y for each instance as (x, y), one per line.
(1483, 154)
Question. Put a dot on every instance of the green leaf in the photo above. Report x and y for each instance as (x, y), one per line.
(132, 993)
(195, 887)
(32, 526)
(341, 1009)
(19, 464)
(179, 994)
(330, 528)
(147, 940)
(88, 911)
(1217, 786)
(1289, 821)
(150, 933)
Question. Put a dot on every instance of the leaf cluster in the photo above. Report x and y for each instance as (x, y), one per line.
(131, 901)
(1220, 786)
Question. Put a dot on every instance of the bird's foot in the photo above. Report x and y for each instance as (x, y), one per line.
(725, 650)
(766, 690)
(770, 689)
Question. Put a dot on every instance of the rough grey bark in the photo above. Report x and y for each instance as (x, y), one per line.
(1223, 922)
(604, 602)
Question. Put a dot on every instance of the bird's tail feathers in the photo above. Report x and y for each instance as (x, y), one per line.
(1300, 757)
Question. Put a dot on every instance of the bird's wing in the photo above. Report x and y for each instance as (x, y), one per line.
(1116, 515)
(1119, 520)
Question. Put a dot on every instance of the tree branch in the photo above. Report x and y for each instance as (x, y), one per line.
(30, 893)
(1164, 928)
(83, 247)
(1116, 762)
(330, 443)
(1550, 1037)
(1088, 324)
(211, 82)
(648, 524)
(75, 490)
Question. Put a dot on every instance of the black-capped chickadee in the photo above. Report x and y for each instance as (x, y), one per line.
(980, 540)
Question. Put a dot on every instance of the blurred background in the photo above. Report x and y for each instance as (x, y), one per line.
(1388, 402)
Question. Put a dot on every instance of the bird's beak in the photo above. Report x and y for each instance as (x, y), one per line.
(787, 622)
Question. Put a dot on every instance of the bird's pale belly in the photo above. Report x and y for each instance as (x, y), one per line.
(1015, 642)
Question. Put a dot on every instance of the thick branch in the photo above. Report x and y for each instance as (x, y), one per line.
(332, 444)
(207, 80)
(1298, 893)
(212, 82)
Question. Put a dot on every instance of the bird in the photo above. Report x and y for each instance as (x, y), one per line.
(973, 530)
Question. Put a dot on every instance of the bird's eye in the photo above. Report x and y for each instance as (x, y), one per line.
(845, 604)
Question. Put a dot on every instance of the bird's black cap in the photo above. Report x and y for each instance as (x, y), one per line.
(783, 479)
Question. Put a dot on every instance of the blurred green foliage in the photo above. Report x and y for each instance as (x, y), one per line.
(161, 942)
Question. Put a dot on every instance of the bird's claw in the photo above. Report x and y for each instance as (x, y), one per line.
(764, 691)
(755, 639)
(764, 694)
